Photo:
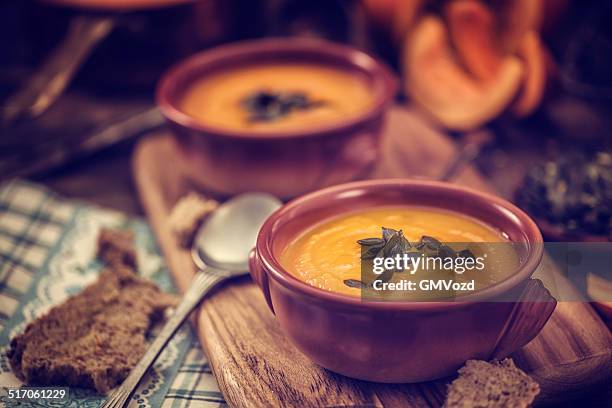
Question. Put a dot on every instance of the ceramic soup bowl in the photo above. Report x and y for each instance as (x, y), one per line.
(402, 341)
(283, 160)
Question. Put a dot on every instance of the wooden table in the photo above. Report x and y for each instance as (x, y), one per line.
(106, 180)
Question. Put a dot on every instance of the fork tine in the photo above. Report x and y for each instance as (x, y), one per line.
(109, 403)
(118, 399)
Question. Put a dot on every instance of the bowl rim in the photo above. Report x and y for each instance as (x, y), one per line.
(274, 269)
(385, 83)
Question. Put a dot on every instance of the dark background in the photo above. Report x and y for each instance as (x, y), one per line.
(118, 79)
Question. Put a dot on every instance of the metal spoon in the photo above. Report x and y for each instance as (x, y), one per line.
(220, 250)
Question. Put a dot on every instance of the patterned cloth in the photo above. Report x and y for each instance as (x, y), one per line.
(47, 246)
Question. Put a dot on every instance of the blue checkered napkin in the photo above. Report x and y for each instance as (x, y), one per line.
(194, 384)
(47, 246)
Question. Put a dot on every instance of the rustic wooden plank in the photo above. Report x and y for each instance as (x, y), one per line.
(572, 353)
(258, 351)
(256, 365)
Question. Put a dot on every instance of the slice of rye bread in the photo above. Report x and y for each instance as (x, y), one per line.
(94, 338)
(116, 247)
(494, 384)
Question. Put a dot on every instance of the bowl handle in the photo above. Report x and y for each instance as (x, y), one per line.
(529, 315)
(260, 276)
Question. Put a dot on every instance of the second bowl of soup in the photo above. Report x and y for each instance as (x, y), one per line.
(284, 116)
(315, 259)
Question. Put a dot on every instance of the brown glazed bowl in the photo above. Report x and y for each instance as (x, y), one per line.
(288, 163)
(398, 342)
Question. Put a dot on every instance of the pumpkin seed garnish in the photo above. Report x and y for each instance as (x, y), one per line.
(466, 253)
(355, 283)
(371, 242)
(267, 106)
(393, 242)
(387, 233)
(429, 243)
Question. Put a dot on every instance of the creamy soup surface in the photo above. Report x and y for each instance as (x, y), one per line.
(327, 254)
(218, 99)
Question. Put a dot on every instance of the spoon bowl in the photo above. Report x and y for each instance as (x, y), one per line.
(228, 235)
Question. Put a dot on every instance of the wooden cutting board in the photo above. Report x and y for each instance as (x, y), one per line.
(256, 365)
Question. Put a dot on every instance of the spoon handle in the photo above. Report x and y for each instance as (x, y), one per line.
(201, 284)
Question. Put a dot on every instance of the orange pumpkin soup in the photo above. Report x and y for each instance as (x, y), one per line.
(277, 96)
(328, 255)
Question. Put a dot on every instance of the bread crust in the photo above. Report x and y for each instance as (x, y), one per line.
(491, 384)
(94, 338)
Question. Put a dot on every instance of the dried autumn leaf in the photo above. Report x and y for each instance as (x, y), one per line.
(437, 82)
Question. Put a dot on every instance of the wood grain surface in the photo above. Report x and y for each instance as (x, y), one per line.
(257, 366)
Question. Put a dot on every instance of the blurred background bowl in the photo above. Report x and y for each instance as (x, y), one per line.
(283, 163)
